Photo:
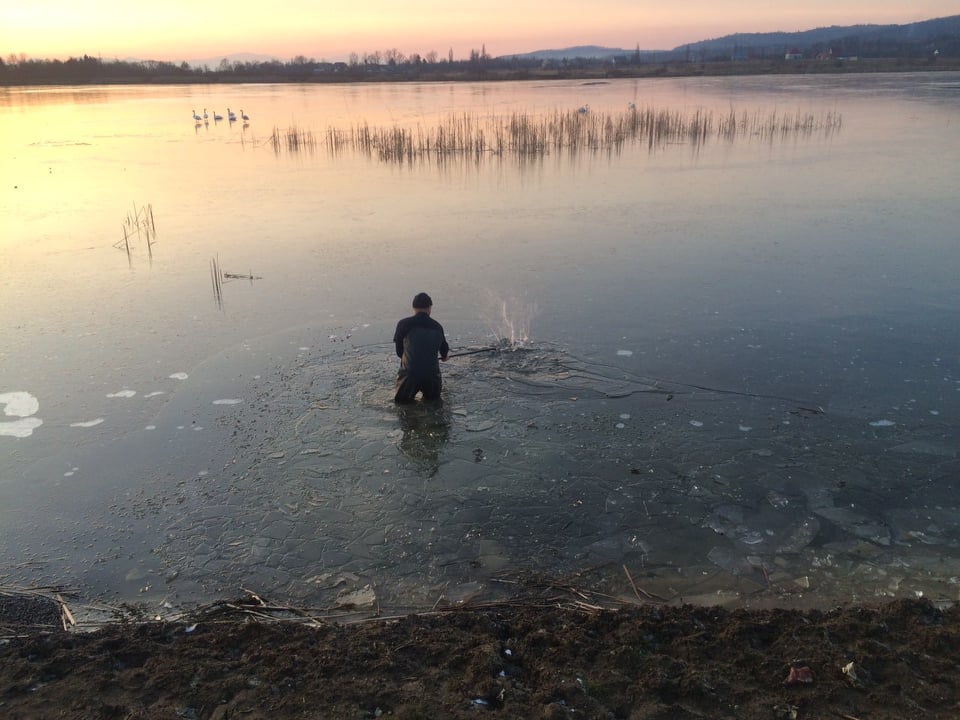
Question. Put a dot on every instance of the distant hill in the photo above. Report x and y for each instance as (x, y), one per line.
(589, 52)
(866, 40)
(214, 62)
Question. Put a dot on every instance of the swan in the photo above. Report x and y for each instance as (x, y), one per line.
(205, 116)
(231, 115)
(195, 116)
(217, 118)
(245, 117)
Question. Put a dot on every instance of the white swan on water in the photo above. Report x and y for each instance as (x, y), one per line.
(195, 116)
(245, 117)
(217, 118)
(231, 115)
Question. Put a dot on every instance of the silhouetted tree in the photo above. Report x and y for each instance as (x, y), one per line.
(392, 56)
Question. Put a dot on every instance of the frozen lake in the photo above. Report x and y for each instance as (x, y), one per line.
(733, 367)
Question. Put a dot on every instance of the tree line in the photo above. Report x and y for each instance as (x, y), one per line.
(392, 64)
(23, 70)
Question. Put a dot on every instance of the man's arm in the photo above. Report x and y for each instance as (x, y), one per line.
(398, 339)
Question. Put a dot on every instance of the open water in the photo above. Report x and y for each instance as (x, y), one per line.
(729, 363)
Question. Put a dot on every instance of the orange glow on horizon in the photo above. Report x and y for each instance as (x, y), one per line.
(187, 31)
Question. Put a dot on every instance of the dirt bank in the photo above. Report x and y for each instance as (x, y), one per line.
(532, 659)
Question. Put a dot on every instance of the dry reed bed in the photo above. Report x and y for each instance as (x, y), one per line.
(294, 139)
(526, 135)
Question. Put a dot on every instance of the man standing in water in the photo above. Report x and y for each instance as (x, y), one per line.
(420, 341)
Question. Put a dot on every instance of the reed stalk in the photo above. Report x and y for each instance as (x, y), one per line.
(139, 222)
(216, 279)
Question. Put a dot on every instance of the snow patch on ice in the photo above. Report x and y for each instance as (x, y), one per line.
(19, 404)
(122, 394)
(20, 428)
(87, 424)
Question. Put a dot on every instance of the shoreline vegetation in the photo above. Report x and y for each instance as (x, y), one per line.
(95, 71)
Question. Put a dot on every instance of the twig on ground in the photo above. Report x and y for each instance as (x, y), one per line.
(638, 590)
(65, 615)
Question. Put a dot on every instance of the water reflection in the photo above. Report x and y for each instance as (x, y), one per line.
(40, 96)
(426, 431)
(219, 277)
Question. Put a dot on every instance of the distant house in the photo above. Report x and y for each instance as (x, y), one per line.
(322, 68)
(793, 54)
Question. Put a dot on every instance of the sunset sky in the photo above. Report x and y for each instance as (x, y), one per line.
(177, 30)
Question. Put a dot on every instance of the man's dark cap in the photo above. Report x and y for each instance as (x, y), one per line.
(422, 301)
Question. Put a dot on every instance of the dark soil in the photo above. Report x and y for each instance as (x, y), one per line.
(512, 661)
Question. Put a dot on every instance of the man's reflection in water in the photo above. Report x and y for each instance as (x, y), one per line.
(426, 429)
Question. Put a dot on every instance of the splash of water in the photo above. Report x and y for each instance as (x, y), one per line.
(509, 321)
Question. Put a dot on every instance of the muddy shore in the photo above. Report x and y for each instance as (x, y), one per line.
(546, 657)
